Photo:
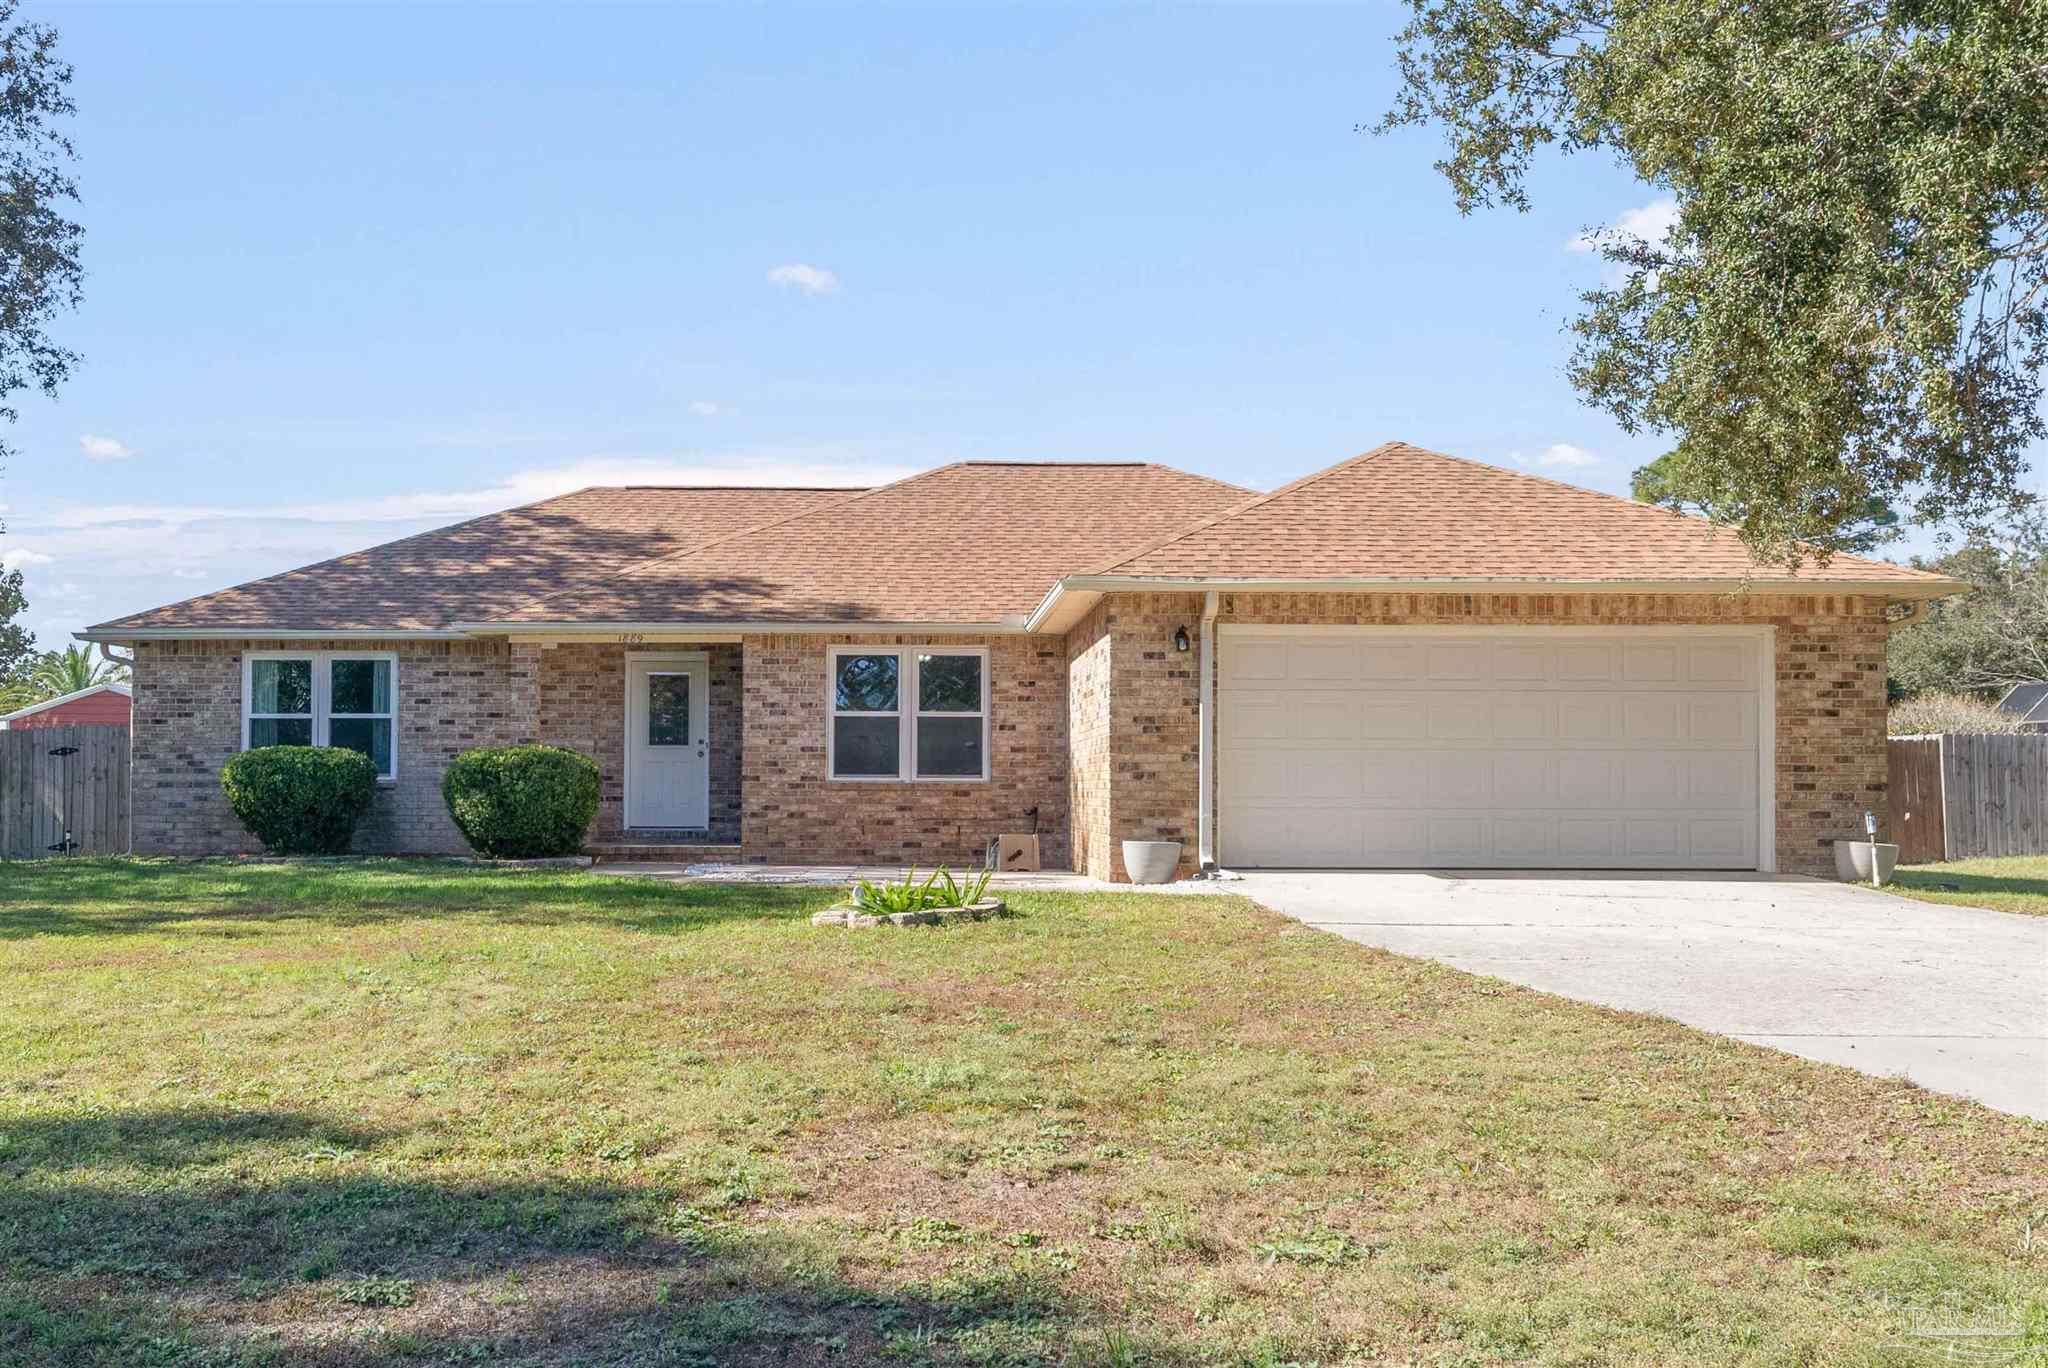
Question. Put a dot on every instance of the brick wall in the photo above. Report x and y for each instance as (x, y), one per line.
(1830, 698)
(1090, 657)
(452, 695)
(794, 814)
(583, 707)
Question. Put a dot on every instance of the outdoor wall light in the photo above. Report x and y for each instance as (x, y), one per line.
(1180, 638)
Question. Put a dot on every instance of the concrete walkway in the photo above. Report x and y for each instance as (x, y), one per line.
(1953, 998)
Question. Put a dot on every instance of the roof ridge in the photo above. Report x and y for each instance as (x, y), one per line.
(1159, 543)
(359, 551)
(1716, 528)
(638, 567)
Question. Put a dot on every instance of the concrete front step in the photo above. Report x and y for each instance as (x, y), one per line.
(663, 852)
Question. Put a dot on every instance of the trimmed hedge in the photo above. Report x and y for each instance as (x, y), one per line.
(300, 800)
(522, 802)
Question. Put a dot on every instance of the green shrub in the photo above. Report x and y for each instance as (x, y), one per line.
(300, 800)
(522, 802)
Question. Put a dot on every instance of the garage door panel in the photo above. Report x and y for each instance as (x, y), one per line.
(1254, 715)
(1524, 717)
(1517, 750)
(1460, 717)
(1522, 662)
(1588, 717)
(1719, 779)
(1392, 717)
(1721, 720)
(1588, 779)
(1317, 662)
(1460, 662)
(1588, 840)
(1724, 664)
(1649, 662)
(1653, 779)
(1391, 663)
(1456, 778)
(1588, 662)
(1525, 778)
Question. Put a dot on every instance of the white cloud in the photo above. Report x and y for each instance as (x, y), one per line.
(1557, 456)
(1650, 223)
(704, 408)
(812, 280)
(104, 448)
(20, 558)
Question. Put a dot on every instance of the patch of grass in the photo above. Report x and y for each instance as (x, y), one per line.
(2010, 883)
(396, 1111)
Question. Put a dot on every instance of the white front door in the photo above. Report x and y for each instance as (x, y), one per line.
(1627, 748)
(668, 767)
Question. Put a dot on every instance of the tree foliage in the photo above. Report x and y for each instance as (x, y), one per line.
(1985, 641)
(40, 274)
(1850, 306)
(17, 643)
(55, 673)
(1660, 483)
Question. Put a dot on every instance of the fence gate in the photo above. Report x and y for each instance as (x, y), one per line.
(63, 789)
(1915, 789)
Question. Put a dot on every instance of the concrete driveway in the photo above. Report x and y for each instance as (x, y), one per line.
(1953, 998)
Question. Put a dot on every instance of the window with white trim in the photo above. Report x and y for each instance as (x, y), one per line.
(908, 713)
(323, 698)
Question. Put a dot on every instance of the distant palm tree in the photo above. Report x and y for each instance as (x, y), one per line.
(69, 671)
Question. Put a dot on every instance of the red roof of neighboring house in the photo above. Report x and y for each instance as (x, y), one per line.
(104, 705)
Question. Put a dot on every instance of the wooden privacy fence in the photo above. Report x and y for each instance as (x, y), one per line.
(55, 780)
(1958, 796)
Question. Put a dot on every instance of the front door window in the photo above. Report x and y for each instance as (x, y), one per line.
(668, 710)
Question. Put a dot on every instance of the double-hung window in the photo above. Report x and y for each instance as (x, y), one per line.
(909, 713)
(322, 698)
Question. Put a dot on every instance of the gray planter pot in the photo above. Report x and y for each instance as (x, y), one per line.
(1852, 861)
(1151, 862)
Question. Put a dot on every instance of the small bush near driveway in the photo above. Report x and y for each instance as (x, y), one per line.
(300, 800)
(522, 802)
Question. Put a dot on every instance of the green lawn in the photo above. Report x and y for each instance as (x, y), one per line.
(2011, 883)
(404, 1113)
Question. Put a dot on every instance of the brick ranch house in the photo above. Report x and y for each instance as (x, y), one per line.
(1406, 659)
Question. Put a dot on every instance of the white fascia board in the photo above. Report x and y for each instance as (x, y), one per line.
(1007, 627)
(114, 636)
(1337, 584)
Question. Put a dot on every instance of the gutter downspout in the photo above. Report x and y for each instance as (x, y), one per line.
(125, 662)
(1205, 766)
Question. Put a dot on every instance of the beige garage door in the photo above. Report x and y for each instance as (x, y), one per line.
(1527, 748)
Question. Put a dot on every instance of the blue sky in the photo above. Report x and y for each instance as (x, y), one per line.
(354, 273)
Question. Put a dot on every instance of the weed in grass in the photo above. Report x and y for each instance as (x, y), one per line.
(930, 1232)
(1327, 1248)
(375, 1291)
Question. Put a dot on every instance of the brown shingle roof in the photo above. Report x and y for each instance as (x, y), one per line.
(1402, 513)
(485, 566)
(983, 542)
(976, 542)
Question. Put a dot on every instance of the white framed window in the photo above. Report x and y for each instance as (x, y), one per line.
(323, 698)
(907, 713)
